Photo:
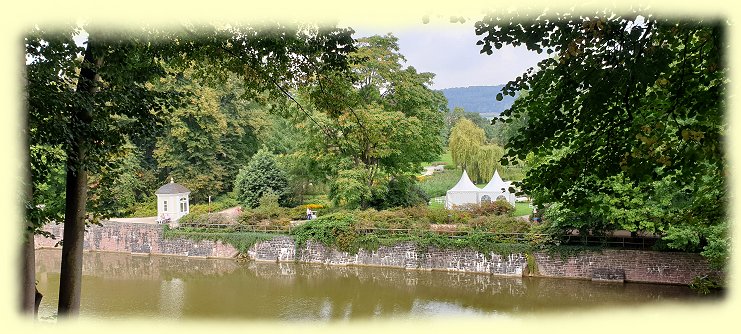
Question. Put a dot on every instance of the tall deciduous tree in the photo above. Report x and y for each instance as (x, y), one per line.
(629, 111)
(206, 141)
(382, 124)
(90, 115)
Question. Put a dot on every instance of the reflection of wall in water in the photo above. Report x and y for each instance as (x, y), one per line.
(299, 291)
(110, 265)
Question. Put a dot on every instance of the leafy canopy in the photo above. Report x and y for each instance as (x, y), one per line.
(375, 125)
(625, 118)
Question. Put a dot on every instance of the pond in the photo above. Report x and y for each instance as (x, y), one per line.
(118, 285)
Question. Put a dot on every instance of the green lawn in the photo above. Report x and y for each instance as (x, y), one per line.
(522, 209)
(434, 204)
(445, 157)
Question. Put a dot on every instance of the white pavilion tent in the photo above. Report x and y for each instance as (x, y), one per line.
(464, 192)
(496, 189)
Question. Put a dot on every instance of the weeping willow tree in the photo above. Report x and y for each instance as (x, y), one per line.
(485, 162)
(465, 139)
(469, 150)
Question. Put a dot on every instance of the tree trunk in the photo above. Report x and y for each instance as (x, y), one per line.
(28, 276)
(70, 276)
(28, 255)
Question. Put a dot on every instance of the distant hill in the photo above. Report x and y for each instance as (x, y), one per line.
(480, 99)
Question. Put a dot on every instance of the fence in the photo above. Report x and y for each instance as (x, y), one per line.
(625, 242)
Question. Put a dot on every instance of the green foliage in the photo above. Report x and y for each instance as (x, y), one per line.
(465, 139)
(566, 251)
(625, 121)
(341, 231)
(148, 208)
(376, 126)
(498, 207)
(203, 219)
(485, 162)
(350, 189)
(121, 188)
(438, 184)
(532, 265)
(486, 244)
(468, 149)
(261, 175)
(508, 127)
(717, 250)
(704, 285)
(242, 241)
(206, 141)
(219, 203)
(47, 182)
(400, 191)
(498, 224)
(268, 214)
(452, 117)
(333, 230)
(141, 101)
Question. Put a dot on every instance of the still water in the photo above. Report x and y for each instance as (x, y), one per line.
(117, 285)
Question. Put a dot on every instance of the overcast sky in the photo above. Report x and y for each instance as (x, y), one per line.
(450, 51)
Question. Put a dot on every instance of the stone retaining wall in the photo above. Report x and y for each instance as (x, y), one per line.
(403, 255)
(639, 266)
(139, 238)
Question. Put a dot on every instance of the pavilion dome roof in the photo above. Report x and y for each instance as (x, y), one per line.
(496, 184)
(465, 184)
(172, 188)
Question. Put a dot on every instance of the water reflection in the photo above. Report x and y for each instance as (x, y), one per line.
(120, 285)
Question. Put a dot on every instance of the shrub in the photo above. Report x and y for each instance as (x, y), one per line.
(704, 285)
(218, 204)
(437, 215)
(333, 230)
(146, 209)
(203, 218)
(260, 176)
(498, 207)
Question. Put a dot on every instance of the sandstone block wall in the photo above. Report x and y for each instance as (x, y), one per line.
(403, 255)
(639, 266)
(138, 238)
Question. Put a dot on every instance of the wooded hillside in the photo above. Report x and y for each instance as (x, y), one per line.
(478, 99)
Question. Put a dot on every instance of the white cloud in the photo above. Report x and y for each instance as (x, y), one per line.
(450, 51)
